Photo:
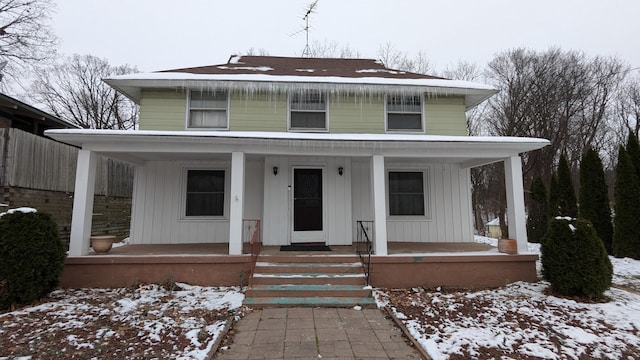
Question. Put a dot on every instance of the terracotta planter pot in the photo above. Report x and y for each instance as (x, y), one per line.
(507, 246)
(102, 244)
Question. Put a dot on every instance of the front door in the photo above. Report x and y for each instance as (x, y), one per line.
(308, 215)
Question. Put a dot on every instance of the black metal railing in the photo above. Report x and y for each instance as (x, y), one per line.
(251, 236)
(364, 245)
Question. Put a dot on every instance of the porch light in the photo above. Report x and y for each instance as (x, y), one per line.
(340, 170)
(275, 170)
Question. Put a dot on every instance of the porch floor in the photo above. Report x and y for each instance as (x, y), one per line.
(393, 248)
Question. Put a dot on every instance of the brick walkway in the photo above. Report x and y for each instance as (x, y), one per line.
(313, 333)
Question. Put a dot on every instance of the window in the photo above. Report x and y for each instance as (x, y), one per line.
(207, 109)
(205, 193)
(308, 111)
(404, 112)
(406, 193)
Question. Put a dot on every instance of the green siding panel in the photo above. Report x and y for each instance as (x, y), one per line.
(351, 114)
(446, 116)
(166, 110)
(258, 112)
(163, 110)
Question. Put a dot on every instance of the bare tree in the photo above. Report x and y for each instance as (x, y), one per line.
(332, 49)
(73, 90)
(255, 52)
(565, 97)
(628, 107)
(25, 34)
(400, 60)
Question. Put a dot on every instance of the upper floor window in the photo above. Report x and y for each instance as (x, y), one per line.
(205, 193)
(308, 111)
(404, 113)
(208, 109)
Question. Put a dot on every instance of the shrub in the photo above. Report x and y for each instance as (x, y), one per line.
(31, 257)
(574, 259)
(552, 199)
(537, 215)
(626, 228)
(594, 197)
(567, 203)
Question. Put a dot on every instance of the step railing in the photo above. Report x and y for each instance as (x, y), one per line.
(251, 236)
(364, 245)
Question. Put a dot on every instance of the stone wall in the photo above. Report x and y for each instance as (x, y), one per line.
(112, 214)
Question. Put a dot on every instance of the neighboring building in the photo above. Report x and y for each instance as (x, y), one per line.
(38, 172)
(493, 229)
(308, 146)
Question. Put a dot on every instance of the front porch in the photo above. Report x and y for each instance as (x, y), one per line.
(407, 264)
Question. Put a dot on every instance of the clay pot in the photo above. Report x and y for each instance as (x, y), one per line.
(507, 246)
(101, 244)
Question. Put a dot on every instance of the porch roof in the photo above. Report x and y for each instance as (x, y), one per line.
(139, 146)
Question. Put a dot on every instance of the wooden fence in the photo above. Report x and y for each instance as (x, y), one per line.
(35, 162)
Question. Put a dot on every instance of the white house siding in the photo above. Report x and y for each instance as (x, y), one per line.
(157, 199)
(277, 198)
(449, 202)
(254, 188)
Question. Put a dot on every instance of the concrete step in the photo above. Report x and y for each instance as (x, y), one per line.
(325, 259)
(262, 302)
(307, 290)
(308, 267)
(308, 278)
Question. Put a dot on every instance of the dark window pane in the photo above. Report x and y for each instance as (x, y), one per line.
(404, 121)
(205, 193)
(308, 120)
(406, 193)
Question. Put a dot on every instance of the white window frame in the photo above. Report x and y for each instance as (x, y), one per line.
(188, 113)
(422, 116)
(326, 116)
(183, 193)
(426, 193)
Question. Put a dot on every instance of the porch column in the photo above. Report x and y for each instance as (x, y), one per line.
(379, 205)
(236, 211)
(515, 202)
(83, 203)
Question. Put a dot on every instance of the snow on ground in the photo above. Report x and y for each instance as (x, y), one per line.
(520, 321)
(144, 322)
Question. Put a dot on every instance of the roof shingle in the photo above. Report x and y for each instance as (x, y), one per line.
(313, 67)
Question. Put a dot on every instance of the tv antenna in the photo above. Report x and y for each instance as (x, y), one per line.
(310, 10)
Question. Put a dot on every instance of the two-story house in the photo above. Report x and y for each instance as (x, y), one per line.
(308, 146)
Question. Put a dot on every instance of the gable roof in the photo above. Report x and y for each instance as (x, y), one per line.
(296, 66)
(250, 74)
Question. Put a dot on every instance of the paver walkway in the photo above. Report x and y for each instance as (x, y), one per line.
(313, 333)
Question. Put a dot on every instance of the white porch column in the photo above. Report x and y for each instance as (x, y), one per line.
(515, 202)
(236, 211)
(379, 205)
(83, 203)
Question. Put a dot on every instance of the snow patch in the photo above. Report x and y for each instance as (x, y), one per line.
(25, 210)
(380, 71)
(252, 68)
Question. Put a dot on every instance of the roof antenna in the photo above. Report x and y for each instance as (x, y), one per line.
(310, 10)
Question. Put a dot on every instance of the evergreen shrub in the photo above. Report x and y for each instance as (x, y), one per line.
(626, 227)
(31, 257)
(537, 215)
(574, 259)
(594, 197)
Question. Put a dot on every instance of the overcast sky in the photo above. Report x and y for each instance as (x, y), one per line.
(162, 34)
